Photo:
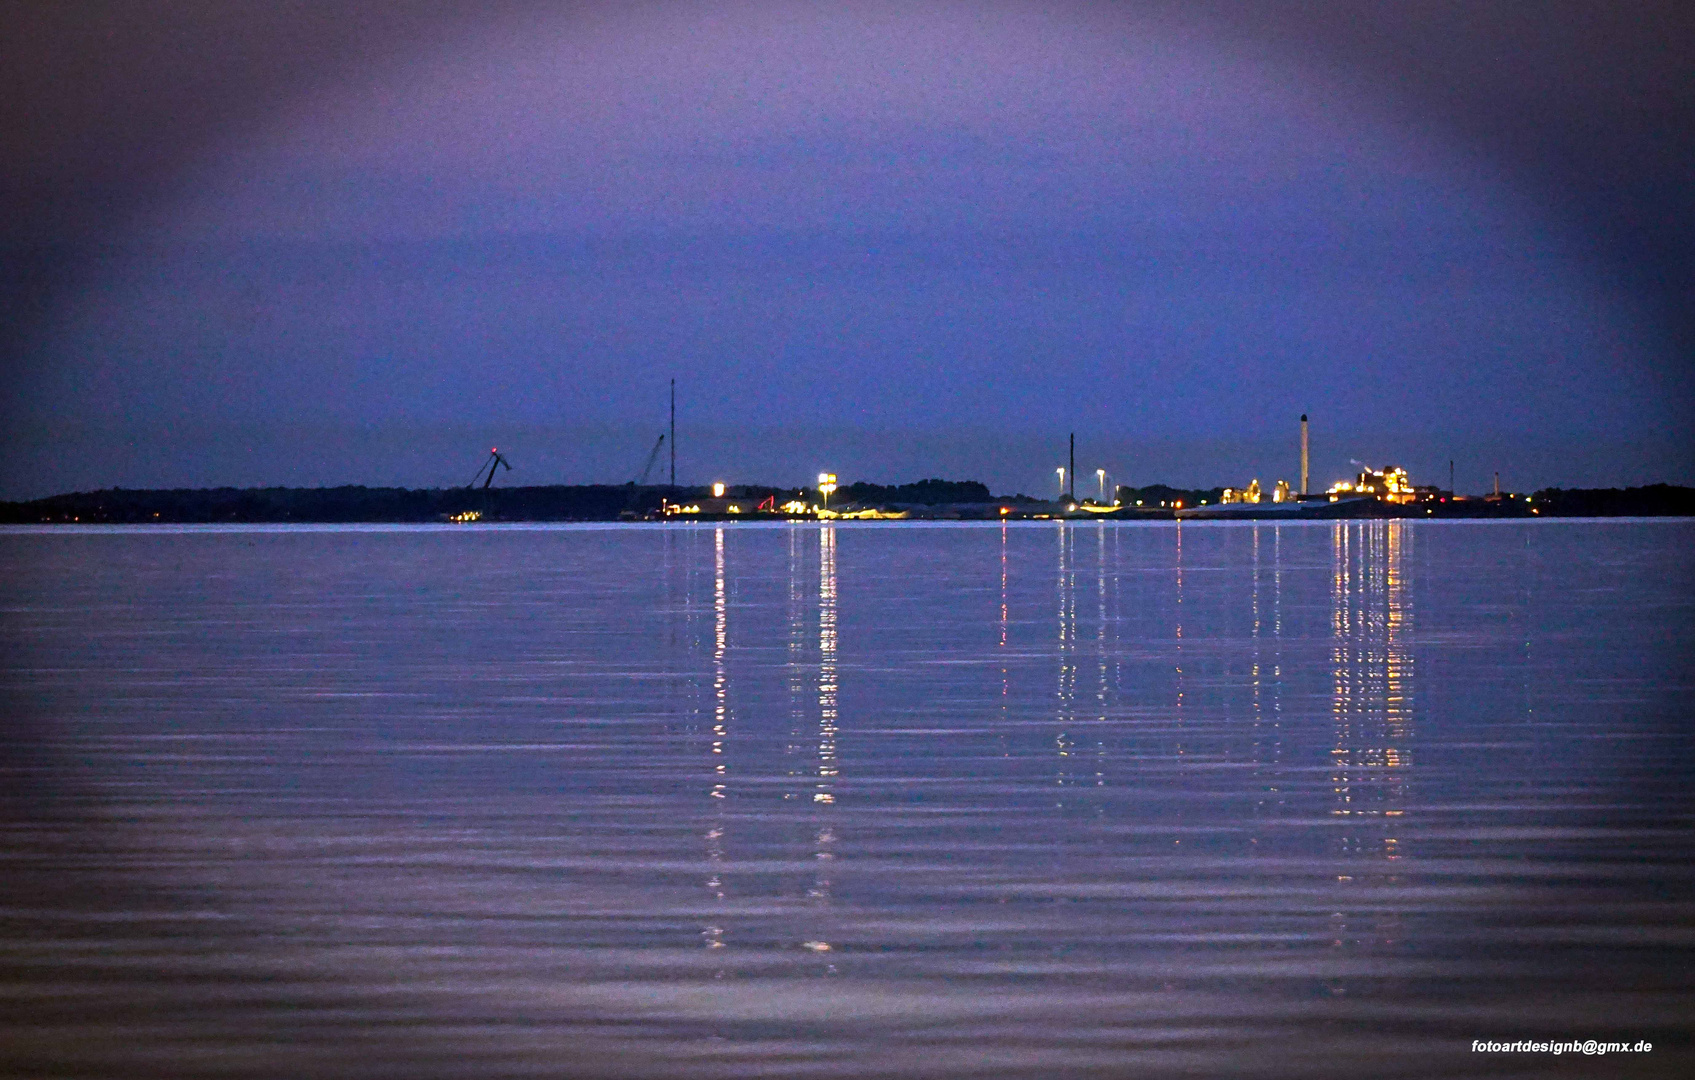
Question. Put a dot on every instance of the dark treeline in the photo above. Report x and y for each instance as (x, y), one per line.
(591, 502)
(588, 502)
(1654, 500)
(608, 502)
(1158, 495)
(932, 492)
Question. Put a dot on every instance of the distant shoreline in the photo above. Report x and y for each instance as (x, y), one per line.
(608, 502)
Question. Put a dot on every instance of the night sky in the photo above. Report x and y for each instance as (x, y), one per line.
(325, 245)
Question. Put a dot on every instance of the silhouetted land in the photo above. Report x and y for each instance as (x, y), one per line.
(1159, 495)
(609, 502)
(591, 502)
(932, 492)
(1655, 500)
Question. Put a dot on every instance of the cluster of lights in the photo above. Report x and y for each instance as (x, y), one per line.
(1252, 494)
(1389, 484)
(1249, 494)
(826, 485)
(1094, 505)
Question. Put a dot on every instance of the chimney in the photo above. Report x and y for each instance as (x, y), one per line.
(1303, 454)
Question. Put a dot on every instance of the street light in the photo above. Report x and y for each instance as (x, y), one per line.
(1061, 472)
(826, 484)
(1101, 475)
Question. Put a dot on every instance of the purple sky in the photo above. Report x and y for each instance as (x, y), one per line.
(888, 241)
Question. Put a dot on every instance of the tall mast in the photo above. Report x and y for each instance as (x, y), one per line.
(1071, 477)
(673, 432)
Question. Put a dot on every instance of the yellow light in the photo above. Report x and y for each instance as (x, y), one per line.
(1005, 510)
(717, 491)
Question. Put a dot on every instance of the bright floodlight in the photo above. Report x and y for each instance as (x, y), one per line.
(717, 491)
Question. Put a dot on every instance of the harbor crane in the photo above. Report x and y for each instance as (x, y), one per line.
(652, 456)
(495, 461)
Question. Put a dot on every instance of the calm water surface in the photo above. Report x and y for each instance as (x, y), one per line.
(952, 800)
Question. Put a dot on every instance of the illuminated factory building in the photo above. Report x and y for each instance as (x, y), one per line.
(1252, 493)
(1389, 484)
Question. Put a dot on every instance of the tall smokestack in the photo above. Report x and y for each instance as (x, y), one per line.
(1071, 477)
(1303, 453)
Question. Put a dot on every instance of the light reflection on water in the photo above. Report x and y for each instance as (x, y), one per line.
(1013, 799)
